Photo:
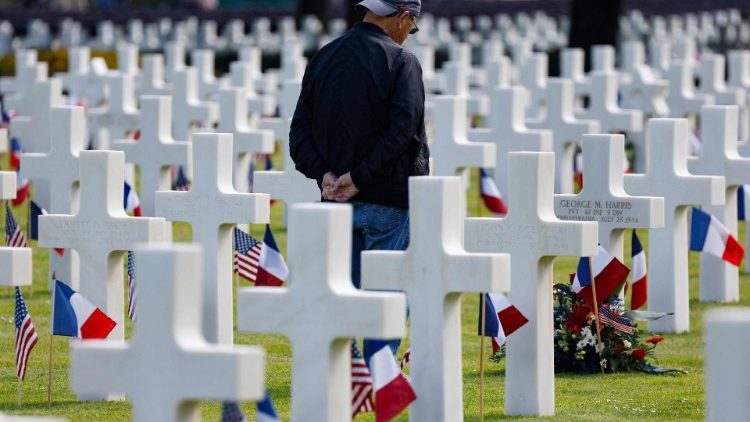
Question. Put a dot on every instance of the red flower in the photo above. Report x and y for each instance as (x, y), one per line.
(619, 349)
(639, 354)
(578, 319)
(655, 340)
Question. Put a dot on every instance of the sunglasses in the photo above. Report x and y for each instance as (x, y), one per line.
(415, 29)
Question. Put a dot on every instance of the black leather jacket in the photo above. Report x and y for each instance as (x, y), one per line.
(361, 110)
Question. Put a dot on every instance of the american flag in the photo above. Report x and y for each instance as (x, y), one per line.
(13, 235)
(131, 285)
(361, 383)
(615, 320)
(246, 255)
(26, 337)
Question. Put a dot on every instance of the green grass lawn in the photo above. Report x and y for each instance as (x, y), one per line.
(590, 397)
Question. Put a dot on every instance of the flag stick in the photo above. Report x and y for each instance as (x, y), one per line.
(49, 372)
(481, 356)
(596, 314)
(51, 336)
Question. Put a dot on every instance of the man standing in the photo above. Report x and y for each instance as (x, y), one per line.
(359, 126)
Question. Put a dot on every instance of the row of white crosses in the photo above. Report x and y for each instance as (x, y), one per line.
(15, 262)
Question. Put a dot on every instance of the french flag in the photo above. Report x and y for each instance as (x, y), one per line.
(75, 316)
(272, 270)
(15, 153)
(491, 196)
(131, 201)
(639, 279)
(393, 393)
(22, 192)
(708, 234)
(609, 273)
(501, 319)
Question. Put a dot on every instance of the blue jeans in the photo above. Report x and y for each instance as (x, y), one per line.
(377, 227)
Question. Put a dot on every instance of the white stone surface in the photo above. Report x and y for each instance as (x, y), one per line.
(101, 232)
(533, 236)
(59, 169)
(211, 207)
(168, 366)
(152, 80)
(320, 311)
(432, 272)
(566, 129)
(508, 131)
(248, 140)
(156, 150)
(603, 198)
(451, 151)
(667, 176)
(719, 280)
(727, 381)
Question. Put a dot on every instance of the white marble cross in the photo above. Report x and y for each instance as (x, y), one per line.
(727, 382)
(571, 67)
(35, 132)
(288, 185)
(127, 59)
(603, 58)
(15, 262)
(640, 87)
(603, 198)
(211, 207)
(101, 232)
(174, 53)
(120, 117)
(432, 272)
(168, 366)
(711, 70)
(242, 75)
(247, 141)
(83, 81)
(682, 98)
(533, 236)
(18, 89)
(151, 81)
(508, 131)
(451, 151)
(156, 150)
(667, 176)
(533, 77)
(603, 106)
(187, 110)
(456, 82)
(719, 280)
(59, 170)
(203, 62)
(566, 129)
(320, 311)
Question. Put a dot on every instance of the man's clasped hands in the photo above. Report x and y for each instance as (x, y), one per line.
(339, 189)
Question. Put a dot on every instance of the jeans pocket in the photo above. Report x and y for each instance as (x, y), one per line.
(385, 219)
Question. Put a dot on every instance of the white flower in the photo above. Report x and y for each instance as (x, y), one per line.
(627, 344)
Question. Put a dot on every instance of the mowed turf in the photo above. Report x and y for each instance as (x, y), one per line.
(578, 397)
